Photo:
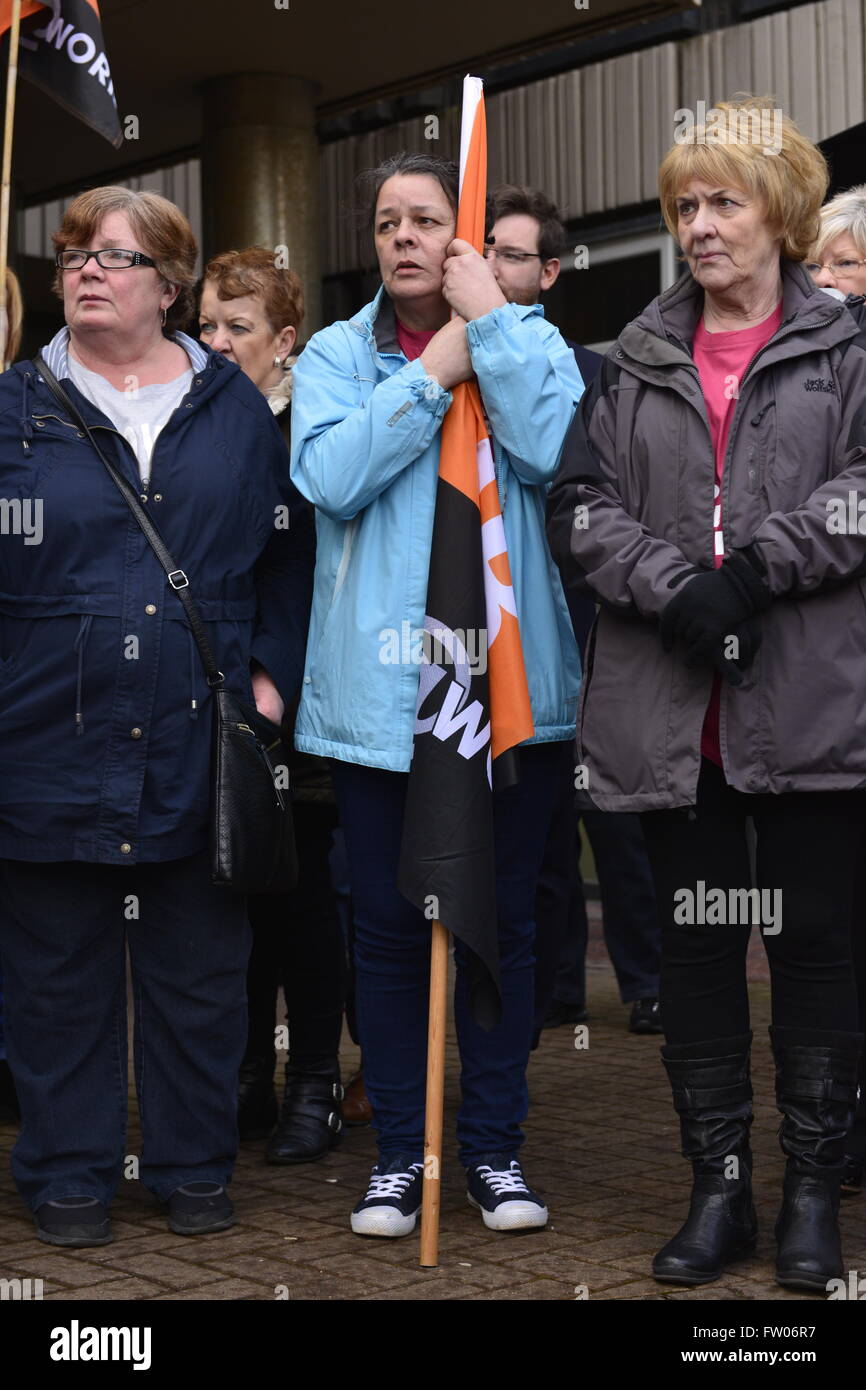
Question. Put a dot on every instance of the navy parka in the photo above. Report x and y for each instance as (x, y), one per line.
(105, 714)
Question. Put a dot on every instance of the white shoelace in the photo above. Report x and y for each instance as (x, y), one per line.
(391, 1184)
(504, 1180)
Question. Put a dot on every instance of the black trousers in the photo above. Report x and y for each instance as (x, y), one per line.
(298, 943)
(807, 847)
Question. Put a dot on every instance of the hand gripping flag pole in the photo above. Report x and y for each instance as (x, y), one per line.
(473, 705)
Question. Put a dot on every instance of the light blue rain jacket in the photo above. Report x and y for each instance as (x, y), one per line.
(365, 450)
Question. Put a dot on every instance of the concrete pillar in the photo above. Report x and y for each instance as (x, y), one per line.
(260, 173)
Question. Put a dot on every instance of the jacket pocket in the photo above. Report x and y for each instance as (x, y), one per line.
(761, 447)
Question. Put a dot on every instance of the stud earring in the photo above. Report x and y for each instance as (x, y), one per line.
(277, 362)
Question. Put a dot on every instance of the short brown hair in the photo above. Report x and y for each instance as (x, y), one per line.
(510, 199)
(791, 181)
(162, 229)
(252, 271)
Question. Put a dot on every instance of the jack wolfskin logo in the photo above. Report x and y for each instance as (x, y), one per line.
(816, 383)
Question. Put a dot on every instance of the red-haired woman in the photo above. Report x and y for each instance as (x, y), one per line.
(251, 311)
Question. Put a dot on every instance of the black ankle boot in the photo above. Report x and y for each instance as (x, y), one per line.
(310, 1121)
(816, 1091)
(713, 1097)
(257, 1104)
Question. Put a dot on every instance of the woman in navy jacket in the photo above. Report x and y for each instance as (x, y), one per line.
(105, 721)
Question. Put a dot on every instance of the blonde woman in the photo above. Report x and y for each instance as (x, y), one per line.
(726, 423)
(838, 259)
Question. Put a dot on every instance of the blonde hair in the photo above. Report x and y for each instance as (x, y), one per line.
(844, 215)
(791, 181)
(162, 229)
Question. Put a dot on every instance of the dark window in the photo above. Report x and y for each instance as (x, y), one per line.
(594, 305)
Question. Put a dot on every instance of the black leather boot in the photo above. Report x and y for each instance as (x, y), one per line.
(713, 1097)
(257, 1104)
(310, 1120)
(816, 1091)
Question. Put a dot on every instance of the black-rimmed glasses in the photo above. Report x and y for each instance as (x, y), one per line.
(111, 258)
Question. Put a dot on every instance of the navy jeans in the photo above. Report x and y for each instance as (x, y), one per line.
(392, 959)
(631, 926)
(630, 920)
(64, 928)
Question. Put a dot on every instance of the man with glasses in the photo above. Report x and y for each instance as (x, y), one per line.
(525, 238)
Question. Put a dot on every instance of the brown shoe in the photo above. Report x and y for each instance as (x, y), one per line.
(356, 1107)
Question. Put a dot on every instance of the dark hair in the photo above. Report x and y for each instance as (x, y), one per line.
(369, 183)
(239, 273)
(509, 200)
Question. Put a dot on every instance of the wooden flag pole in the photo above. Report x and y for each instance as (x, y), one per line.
(5, 187)
(435, 1097)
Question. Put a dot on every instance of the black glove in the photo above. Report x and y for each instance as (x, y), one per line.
(715, 603)
(731, 668)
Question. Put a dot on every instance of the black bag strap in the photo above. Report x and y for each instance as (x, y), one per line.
(176, 577)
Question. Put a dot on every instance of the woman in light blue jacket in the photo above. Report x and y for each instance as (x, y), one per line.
(370, 397)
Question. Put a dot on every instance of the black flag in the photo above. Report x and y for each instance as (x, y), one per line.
(473, 702)
(62, 51)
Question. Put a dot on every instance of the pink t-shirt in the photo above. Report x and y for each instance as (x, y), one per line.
(412, 344)
(722, 360)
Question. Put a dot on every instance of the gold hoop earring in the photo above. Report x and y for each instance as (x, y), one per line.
(164, 313)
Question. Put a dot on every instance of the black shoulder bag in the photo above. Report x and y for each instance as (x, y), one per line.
(252, 839)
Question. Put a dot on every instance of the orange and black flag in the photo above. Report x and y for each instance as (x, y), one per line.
(473, 702)
(62, 51)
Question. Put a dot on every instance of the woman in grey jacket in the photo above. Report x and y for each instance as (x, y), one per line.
(709, 495)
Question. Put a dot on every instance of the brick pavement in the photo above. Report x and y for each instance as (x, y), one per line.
(601, 1147)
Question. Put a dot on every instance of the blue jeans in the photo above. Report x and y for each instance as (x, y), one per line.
(64, 929)
(392, 958)
(631, 928)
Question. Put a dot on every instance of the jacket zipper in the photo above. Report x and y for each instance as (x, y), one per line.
(141, 487)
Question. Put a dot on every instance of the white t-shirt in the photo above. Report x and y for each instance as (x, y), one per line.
(139, 414)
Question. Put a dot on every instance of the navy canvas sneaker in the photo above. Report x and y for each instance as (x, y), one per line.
(497, 1188)
(393, 1198)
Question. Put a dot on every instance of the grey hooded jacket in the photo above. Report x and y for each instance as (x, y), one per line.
(638, 465)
